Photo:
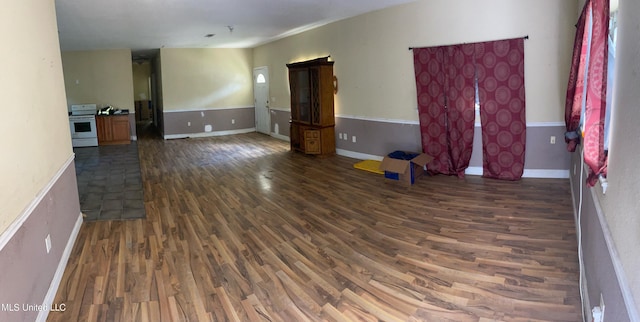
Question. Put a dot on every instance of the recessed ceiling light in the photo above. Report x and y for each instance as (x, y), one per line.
(209, 35)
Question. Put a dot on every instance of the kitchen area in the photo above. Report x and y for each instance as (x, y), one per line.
(107, 163)
(95, 81)
(101, 94)
(92, 127)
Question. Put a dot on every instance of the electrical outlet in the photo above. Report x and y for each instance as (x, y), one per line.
(597, 313)
(233, 121)
(47, 243)
(552, 140)
(353, 139)
(340, 136)
(188, 123)
(344, 136)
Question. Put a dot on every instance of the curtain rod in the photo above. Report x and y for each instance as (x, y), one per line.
(464, 43)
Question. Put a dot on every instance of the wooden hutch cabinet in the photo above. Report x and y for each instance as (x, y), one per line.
(312, 117)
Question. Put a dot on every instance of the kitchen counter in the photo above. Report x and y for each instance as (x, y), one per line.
(122, 112)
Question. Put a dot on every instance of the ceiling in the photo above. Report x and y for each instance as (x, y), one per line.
(144, 25)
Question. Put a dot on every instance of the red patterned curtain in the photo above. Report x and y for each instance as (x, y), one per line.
(430, 84)
(446, 92)
(461, 105)
(573, 104)
(500, 68)
(596, 101)
(593, 45)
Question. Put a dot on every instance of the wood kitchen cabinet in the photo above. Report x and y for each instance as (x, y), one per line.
(113, 129)
(312, 111)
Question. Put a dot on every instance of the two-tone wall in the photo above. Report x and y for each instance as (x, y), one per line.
(206, 92)
(279, 118)
(374, 139)
(31, 273)
(102, 77)
(376, 100)
(38, 194)
(610, 219)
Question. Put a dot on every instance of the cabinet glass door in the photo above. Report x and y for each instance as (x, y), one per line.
(314, 103)
(303, 98)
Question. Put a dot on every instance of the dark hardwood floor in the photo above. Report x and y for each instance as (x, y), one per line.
(238, 228)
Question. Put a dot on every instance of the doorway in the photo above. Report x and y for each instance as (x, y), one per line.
(261, 99)
(147, 95)
(143, 99)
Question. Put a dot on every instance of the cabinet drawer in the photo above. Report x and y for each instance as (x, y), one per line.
(312, 142)
(311, 134)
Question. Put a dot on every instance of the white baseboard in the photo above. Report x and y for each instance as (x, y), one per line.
(474, 171)
(545, 173)
(528, 173)
(57, 277)
(358, 155)
(280, 137)
(207, 134)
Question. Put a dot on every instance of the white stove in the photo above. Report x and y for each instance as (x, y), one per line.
(82, 122)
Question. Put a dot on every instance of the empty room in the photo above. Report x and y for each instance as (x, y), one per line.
(385, 160)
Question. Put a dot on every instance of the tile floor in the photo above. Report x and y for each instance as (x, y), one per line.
(109, 182)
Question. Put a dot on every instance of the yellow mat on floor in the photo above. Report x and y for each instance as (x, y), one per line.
(369, 165)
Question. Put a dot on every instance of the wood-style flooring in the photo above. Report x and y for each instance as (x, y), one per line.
(239, 228)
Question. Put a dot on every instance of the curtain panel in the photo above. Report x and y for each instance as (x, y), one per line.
(446, 80)
(461, 105)
(500, 69)
(596, 101)
(575, 88)
(446, 95)
(588, 85)
(430, 85)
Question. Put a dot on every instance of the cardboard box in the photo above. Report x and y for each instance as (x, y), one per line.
(404, 167)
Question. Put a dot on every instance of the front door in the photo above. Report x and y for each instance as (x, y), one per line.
(261, 99)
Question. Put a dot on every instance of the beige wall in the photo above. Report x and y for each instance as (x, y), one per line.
(141, 74)
(621, 204)
(375, 67)
(103, 77)
(194, 79)
(34, 128)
